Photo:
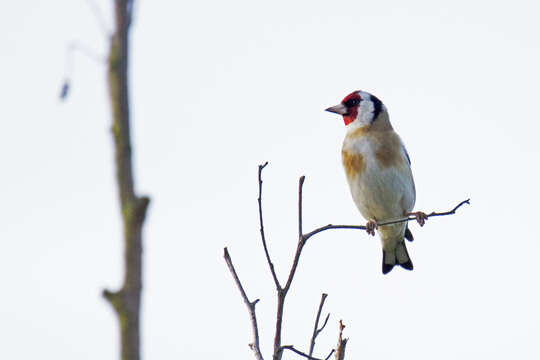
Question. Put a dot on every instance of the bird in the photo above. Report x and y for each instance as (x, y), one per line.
(378, 170)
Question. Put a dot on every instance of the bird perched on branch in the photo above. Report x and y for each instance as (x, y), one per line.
(378, 170)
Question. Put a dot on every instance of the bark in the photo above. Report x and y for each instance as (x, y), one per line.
(126, 302)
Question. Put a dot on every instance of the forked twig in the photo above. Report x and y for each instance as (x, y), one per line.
(316, 330)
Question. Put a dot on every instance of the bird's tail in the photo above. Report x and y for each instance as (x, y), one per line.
(398, 256)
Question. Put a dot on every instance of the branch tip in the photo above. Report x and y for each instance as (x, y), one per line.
(342, 343)
(249, 304)
(316, 329)
(261, 226)
(325, 322)
(331, 352)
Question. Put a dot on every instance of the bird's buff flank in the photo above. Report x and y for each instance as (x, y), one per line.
(378, 170)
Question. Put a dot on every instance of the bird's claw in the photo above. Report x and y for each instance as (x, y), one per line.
(420, 217)
(371, 225)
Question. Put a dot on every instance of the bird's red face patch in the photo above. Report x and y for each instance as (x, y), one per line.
(351, 101)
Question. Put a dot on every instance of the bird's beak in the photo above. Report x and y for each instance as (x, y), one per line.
(338, 109)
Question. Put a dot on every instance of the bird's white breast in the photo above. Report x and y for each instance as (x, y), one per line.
(379, 174)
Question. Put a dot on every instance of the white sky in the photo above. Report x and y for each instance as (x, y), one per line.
(219, 87)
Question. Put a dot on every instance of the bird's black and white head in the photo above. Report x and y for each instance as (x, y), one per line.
(360, 108)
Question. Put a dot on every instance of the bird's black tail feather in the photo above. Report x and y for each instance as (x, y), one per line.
(399, 256)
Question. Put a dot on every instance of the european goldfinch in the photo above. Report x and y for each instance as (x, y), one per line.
(378, 170)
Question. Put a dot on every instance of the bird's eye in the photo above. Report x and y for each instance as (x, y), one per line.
(352, 103)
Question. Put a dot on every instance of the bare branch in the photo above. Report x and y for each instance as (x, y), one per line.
(324, 324)
(291, 348)
(342, 343)
(279, 323)
(405, 219)
(255, 346)
(316, 330)
(433, 213)
(283, 290)
(263, 238)
(299, 247)
(127, 301)
(451, 212)
(300, 186)
(228, 260)
(301, 238)
(331, 352)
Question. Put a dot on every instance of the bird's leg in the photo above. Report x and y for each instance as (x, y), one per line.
(371, 225)
(420, 217)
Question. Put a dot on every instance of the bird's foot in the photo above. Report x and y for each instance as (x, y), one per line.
(371, 225)
(420, 217)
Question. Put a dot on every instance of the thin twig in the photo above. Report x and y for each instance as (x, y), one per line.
(263, 238)
(296, 260)
(324, 324)
(282, 291)
(291, 348)
(255, 346)
(316, 330)
(300, 185)
(331, 352)
(301, 238)
(405, 219)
